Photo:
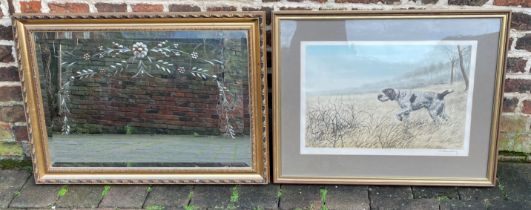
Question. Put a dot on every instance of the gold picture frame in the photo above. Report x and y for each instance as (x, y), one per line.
(294, 32)
(252, 23)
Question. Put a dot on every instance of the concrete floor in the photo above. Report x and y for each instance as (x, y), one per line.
(157, 149)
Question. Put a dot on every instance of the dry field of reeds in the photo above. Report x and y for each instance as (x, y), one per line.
(361, 121)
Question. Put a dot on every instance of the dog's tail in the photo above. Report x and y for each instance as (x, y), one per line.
(441, 96)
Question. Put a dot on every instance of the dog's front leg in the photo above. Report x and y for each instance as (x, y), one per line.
(403, 115)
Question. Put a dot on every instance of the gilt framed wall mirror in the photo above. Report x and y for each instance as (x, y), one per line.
(391, 97)
(145, 98)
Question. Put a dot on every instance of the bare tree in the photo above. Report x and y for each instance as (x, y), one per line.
(453, 62)
(462, 66)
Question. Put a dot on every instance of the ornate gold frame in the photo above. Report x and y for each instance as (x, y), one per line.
(253, 22)
(489, 180)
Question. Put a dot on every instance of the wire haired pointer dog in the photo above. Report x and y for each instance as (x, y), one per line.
(410, 100)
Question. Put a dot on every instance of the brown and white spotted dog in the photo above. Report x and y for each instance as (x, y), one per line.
(410, 101)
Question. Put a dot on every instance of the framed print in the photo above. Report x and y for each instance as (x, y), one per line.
(174, 98)
(390, 97)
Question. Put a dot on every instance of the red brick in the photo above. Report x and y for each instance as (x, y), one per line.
(6, 32)
(107, 7)
(518, 85)
(147, 8)
(224, 8)
(268, 41)
(21, 133)
(368, 1)
(521, 21)
(467, 2)
(427, 1)
(10, 8)
(10, 94)
(68, 8)
(526, 108)
(184, 103)
(9, 74)
(516, 65)
(12, 114)
(6, 55)
(268, 11)
(509, 104)
(294, 8)
(30, 6)
(184, 8)
(524, 43)
(269, 65)
(523, 3)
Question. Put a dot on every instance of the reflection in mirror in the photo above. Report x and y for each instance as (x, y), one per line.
(146, 99)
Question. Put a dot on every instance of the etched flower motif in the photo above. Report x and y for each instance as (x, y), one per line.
(86, 56)
(140, 50)
(194, 55)
(181, 69)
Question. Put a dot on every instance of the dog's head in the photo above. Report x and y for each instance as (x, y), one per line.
(387, 94)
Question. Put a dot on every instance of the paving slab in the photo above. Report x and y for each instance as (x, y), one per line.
(389, 197)
(258, 196)
(421, 204)
(483, 194)
(435, 192)
(388, 203)
(382, 192)
(171, 196)
(514, 180)
(66, 209)
(300, 196)
(462, 204)
(211, 196)
(347, 197)
(125, 197)
(11, 181)
(508, 205)
(35, 196)
(406, 204)
(81, 196)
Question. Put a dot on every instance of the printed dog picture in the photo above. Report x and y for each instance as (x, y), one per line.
(386, 97)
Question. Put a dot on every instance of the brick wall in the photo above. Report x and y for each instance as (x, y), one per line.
(516, 118)
(152, 105)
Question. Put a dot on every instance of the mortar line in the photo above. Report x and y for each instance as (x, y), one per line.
(369, 196)
(19, 190)
(147, 196)
(279, 197)
(57, 197)
(101, 197)
(190, 197)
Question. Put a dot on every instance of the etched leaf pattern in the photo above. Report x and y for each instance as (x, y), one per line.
(143, 57)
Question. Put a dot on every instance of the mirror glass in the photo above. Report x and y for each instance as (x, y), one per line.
(146, 99)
